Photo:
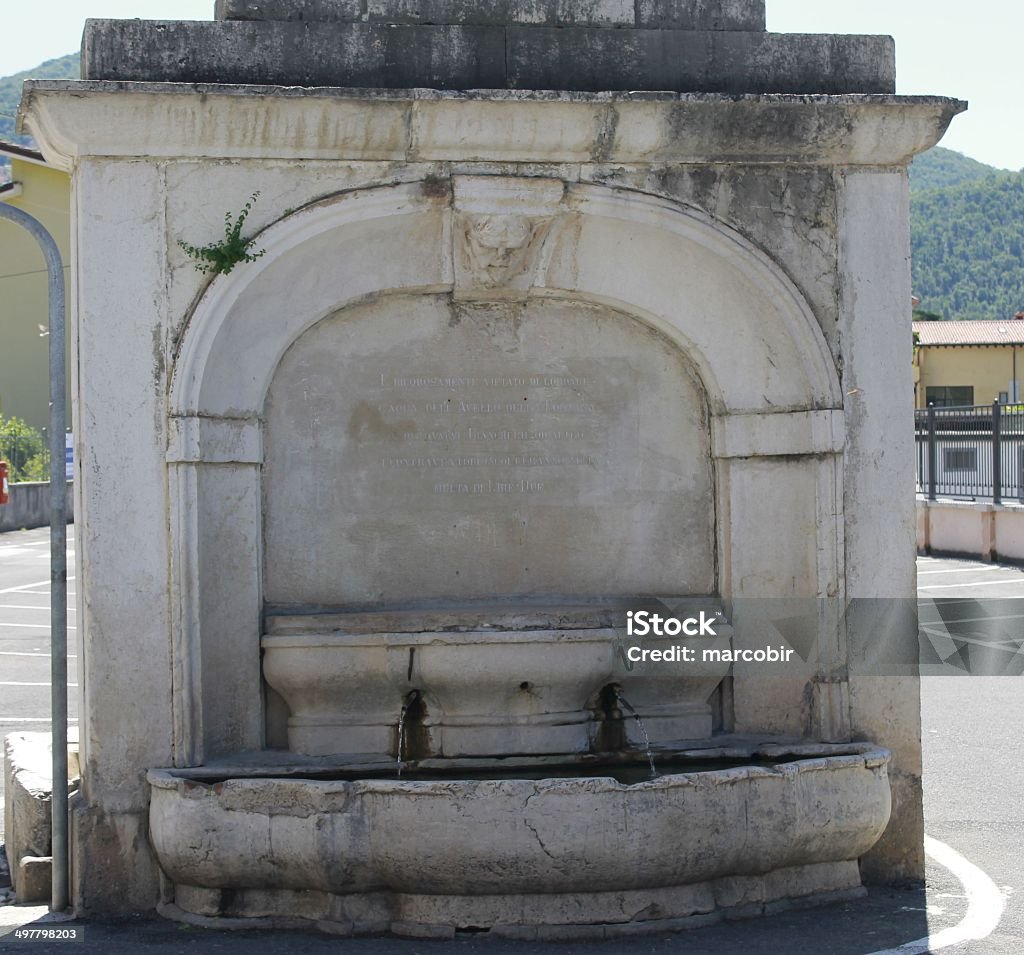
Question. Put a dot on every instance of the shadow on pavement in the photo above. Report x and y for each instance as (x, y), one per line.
(887, 918)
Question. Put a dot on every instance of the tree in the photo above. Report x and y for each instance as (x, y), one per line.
(24, 450)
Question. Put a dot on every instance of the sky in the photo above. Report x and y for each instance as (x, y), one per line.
(943, 47)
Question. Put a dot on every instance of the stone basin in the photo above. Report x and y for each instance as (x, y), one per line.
(522, 857)
(491, 679)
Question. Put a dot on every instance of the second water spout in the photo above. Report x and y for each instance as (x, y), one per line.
(410, 700)
(625, 704)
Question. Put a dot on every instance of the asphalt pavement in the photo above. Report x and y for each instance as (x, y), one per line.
(973, 775)
(25, 634)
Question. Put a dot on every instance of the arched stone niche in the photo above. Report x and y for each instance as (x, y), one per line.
(750, 395)
(419, 448)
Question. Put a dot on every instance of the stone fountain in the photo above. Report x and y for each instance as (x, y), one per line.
(518, 350)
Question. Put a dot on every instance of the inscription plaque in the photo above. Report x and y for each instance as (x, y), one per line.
(494, 430)
(417, 449)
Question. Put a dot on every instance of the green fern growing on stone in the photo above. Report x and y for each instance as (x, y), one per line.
(221, 257)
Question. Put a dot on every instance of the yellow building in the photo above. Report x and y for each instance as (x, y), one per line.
(43, 192)
(968, 363)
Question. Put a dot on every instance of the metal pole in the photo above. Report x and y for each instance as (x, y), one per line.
(58, 557)
(997, 455)
(932, 454)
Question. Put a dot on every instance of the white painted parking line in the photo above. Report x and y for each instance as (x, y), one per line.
(985, 905)
(23, 653)
(1019, 581)
(45, 607)
(31, 626)
(961, 570)
(27, 588)
(14, 590)
(958, 620)
(28, 719)
(31, 684)
(42, 593)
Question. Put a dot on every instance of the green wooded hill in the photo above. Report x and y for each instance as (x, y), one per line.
(939, 168)
(63, 68)
(967, 237)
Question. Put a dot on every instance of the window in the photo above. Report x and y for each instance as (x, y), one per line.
(950, 396)
(960, 459)
(1004, 397)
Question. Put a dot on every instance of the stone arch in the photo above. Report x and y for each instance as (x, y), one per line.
(771, 384)
(742, 320)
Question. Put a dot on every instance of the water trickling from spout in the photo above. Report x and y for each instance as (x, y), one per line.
(640, 725)
(410, 700)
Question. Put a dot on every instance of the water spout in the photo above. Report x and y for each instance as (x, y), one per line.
(625, 704)
(411, 699)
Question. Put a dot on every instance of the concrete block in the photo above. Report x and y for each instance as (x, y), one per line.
(348, 10)
(295, 54)
(484, 56)
(598, 13)
(27, 793)
(662, 14)
(699, 61)
(801, 63)
(546, 12)
(589, 59)
(34, 879)
(701, 14)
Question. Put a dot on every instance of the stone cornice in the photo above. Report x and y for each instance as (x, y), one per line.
(75, 119)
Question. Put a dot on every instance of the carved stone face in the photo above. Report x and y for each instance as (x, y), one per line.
(500, 232)
(499, 246)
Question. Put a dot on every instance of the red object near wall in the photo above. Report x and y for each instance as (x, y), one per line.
(4, 492)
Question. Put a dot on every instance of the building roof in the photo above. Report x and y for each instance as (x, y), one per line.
(1009, 332)
(17, 151)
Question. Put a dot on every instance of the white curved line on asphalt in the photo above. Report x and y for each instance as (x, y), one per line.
(985, 904)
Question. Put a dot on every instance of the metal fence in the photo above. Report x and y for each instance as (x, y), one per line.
(971, 453)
